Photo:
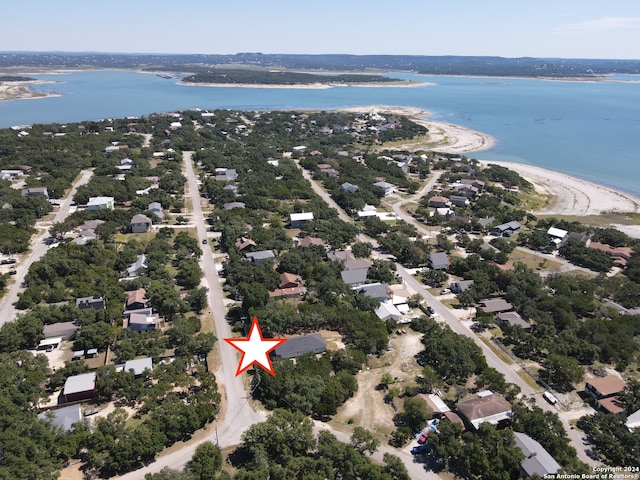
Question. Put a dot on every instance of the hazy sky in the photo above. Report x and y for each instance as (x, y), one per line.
(508, 28)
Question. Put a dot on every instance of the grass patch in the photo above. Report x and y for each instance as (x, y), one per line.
(451, 303)
(603, 220)
(534, 201)
(536, 262)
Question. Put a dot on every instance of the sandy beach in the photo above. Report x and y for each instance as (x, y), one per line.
(570, 195)
(21, 91)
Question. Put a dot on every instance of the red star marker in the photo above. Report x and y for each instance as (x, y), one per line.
(255, 349)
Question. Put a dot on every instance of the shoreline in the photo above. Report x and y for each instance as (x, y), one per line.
(308, 86)
(573, 196)
(20, 90)
(443, 137)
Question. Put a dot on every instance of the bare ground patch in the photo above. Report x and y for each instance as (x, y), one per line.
(368, 408)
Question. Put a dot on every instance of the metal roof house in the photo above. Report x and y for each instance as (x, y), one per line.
(138, 366)
(298, 219)
(439, 261)
(297, 346)
(63, 418)
(537, 459)
(260, 257)
(99, 203)
(80, 387)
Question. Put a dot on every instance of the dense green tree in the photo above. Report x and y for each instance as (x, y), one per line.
(206, 461)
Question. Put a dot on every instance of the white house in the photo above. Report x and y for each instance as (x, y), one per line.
(100, 203)
(298, 219)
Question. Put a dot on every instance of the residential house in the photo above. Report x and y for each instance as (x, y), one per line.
(64, 330)
(514, 319)
(485, 407)
(438, 261)
(156, 209)
(243, 242)
(260, 257)
(140, 223)
(378, 291)
(139, 267)
(233, 188)
(435, 404)
(459, 200)
(354, 278)
(633, 421)
(506, 229)
(620, 255)
(460, 286)
(125, 164)
(136, 299)
(86, 303)
(388, 311)
(290, 286)
(348, 187)
(605, 391)
(580, 237)
(537, 461)
(299, 219)
(80, 387)
(558, 236)
(139, 322)
(36, 192)
(226, 175)
(479, 184)
(64, 417)
(367, 211)
(486, 222)
(142, 311)
(232, 205)
(297, 346)
(386, 187)
(100, 203)
(495, 305)
(139, 366)
(309, 242)
(439, 202)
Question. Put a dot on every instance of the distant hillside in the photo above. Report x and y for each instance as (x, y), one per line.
(433, 65)
(15, 78)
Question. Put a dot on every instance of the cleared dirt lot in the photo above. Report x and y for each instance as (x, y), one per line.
(367, 408)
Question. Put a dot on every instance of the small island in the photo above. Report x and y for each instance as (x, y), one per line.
(270, 78)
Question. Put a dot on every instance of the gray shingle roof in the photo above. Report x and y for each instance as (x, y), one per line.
(296, 346)
(537, 460)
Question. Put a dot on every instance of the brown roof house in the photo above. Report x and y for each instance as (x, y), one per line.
(605, 392)
(495, 305)
(137, 299)
(290, 286)
(485, 407)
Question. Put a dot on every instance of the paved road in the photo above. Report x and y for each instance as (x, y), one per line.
(239, 415)
(37, 250)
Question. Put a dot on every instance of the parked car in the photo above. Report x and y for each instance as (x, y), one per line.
(204, 241)
(8, 261)
(430, 310)
(422, 439)
(550, 397)
(445, 291)
(421, 450)
(12, 272)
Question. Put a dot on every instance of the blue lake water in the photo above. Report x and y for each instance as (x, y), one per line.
(587, 129)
